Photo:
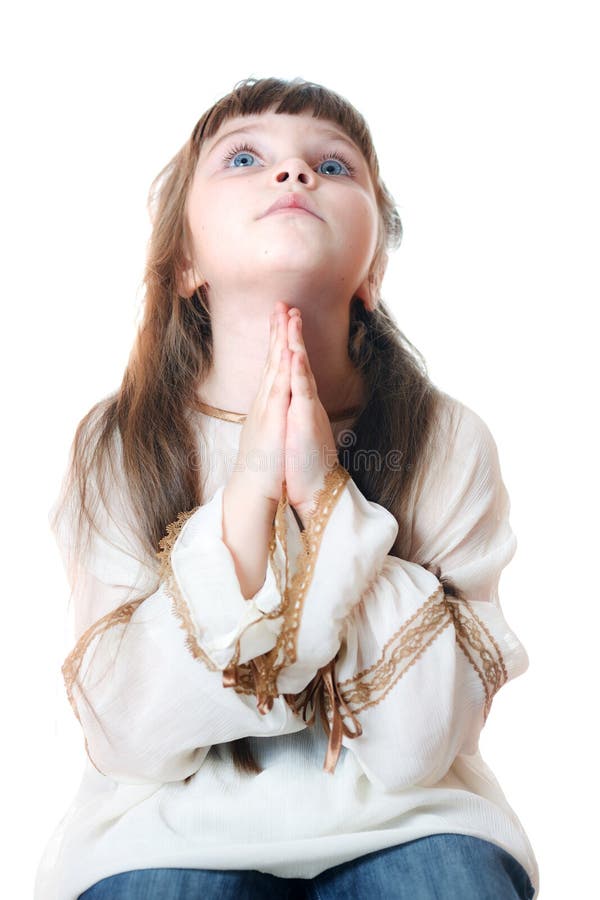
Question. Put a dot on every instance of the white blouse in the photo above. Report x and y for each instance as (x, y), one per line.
(170, 661)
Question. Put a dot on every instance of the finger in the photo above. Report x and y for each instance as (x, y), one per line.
(274, 328)
(295, 339)
(297, 344)
(272, 338)
(280, 389)
(281, 307)
(280, 342)
(302, 382)
(273, 359)
(279, 371)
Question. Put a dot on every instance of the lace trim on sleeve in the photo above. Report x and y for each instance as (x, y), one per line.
(339, 700)
(178, 605)
(255, 675)
(72, 664)
(122, 614)
(408, 644)
(259, 676)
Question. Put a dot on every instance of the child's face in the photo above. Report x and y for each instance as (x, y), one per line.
(237, 245)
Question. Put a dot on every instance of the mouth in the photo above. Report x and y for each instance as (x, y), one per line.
(292, 203)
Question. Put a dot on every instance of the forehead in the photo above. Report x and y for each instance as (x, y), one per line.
(279, 123)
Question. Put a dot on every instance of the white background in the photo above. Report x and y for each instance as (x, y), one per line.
(485, 119)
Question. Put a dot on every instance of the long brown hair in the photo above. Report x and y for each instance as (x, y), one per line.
(147, 420)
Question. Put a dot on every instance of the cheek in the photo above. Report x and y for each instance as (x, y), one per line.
(223, 209)
(199, 210)
(207, 222)
(362, 222)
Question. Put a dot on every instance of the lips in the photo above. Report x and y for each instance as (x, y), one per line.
(291, 200)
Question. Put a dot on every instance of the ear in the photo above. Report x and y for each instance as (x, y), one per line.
(364, 292)
(188, 280)
(370, 288)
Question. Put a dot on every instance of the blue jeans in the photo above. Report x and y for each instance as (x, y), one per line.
(437, 867)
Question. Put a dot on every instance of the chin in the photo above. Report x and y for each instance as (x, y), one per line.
(288, 279)
(294, 257)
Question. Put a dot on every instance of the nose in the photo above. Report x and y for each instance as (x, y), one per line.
(296, 170)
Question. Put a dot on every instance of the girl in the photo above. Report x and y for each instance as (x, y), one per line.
(283, 545)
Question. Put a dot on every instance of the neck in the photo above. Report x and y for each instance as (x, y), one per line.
(240, 334)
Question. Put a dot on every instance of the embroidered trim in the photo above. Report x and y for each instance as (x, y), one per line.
(218, 412)
(122, 615)
(344, 700)
(72, 664)
(407, 645)
(367, 688)
(324, 501)
(253, 677)
(493, 672)
(400, 652)
(260, 675)
(178, 605)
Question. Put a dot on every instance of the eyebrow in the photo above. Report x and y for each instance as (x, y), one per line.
(331, 133)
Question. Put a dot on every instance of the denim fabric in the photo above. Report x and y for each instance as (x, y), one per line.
(437, 867)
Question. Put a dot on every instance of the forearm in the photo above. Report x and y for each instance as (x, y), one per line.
(247, 524)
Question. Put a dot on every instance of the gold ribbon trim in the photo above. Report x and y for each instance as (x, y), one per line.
(322, 690)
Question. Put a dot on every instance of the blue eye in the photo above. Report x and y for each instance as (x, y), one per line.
(248, 152)
(333, 160)
(243, 151)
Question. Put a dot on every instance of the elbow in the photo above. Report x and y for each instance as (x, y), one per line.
(400, 773)
(127, 767)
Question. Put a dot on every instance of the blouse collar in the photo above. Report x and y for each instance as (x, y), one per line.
(229, 416)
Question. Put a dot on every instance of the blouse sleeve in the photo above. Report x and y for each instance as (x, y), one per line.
(420, 649)
(155, 640)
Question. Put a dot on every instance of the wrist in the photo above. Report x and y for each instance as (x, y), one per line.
(306, 509)
(248, 499)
